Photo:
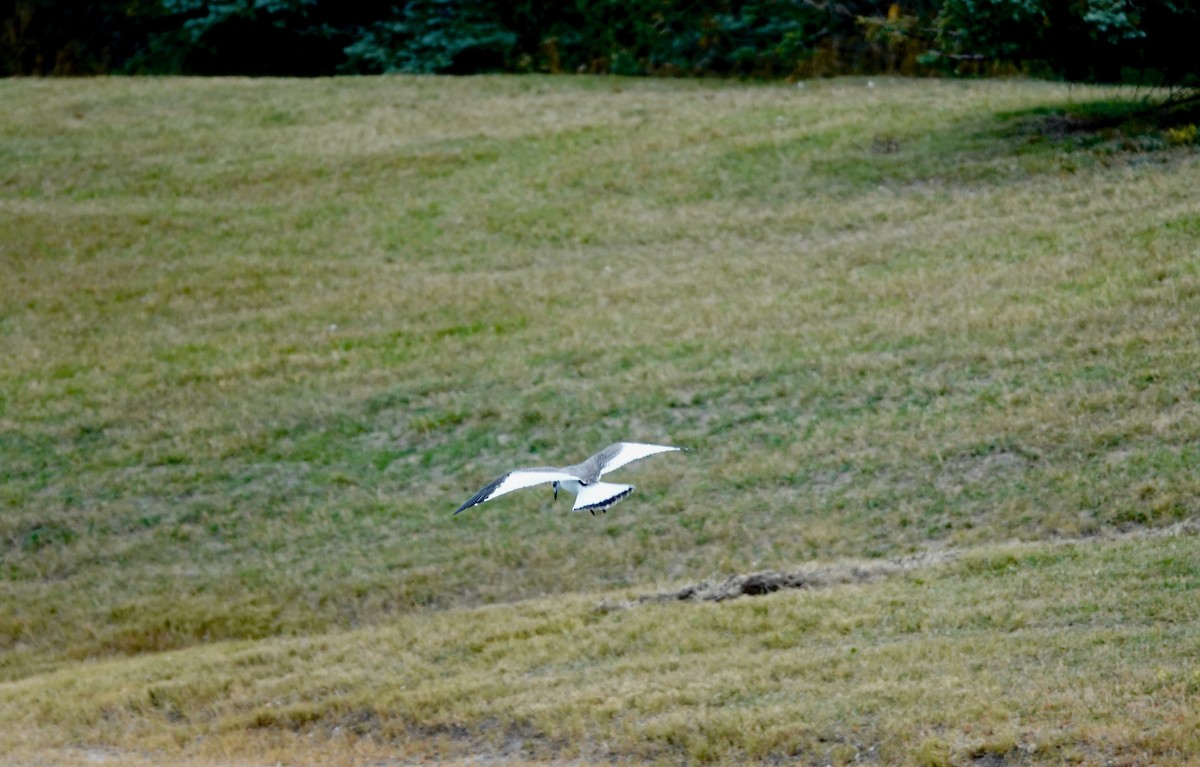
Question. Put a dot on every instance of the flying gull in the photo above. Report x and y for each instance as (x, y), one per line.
(582, 478)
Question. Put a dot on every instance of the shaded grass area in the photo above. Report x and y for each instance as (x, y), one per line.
(1024, 653)
(261, 337)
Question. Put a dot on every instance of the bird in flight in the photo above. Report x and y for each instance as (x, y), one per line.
(583, 479)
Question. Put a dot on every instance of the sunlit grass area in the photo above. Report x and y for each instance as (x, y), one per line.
(259, 338)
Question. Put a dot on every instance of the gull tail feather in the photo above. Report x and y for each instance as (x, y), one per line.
(599, 496)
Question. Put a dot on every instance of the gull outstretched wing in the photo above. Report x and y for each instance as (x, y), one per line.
(515, 480)
(617, 455)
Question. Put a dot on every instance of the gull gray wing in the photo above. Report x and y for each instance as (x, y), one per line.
(617, 455)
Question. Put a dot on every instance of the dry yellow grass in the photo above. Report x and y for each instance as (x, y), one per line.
(1032, 653)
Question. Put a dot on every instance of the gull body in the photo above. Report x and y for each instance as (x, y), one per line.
(582, 479)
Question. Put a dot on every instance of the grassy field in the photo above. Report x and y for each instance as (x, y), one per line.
(259, 338)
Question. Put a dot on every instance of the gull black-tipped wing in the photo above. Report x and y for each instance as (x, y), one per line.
(515, 480)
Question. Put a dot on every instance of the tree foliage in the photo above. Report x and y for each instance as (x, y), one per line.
(1076, 39)
(1088, 40)
(256, 37)
(308, 37)
(427, 36)
(42, 37)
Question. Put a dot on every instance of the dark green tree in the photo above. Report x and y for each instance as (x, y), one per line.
(52, 37)
(429, 36)
(240, 37)
(1082, 40)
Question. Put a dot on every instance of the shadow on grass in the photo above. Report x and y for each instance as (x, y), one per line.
(992, 149)
(1110, 127)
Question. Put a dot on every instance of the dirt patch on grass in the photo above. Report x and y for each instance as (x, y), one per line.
(770, 581)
